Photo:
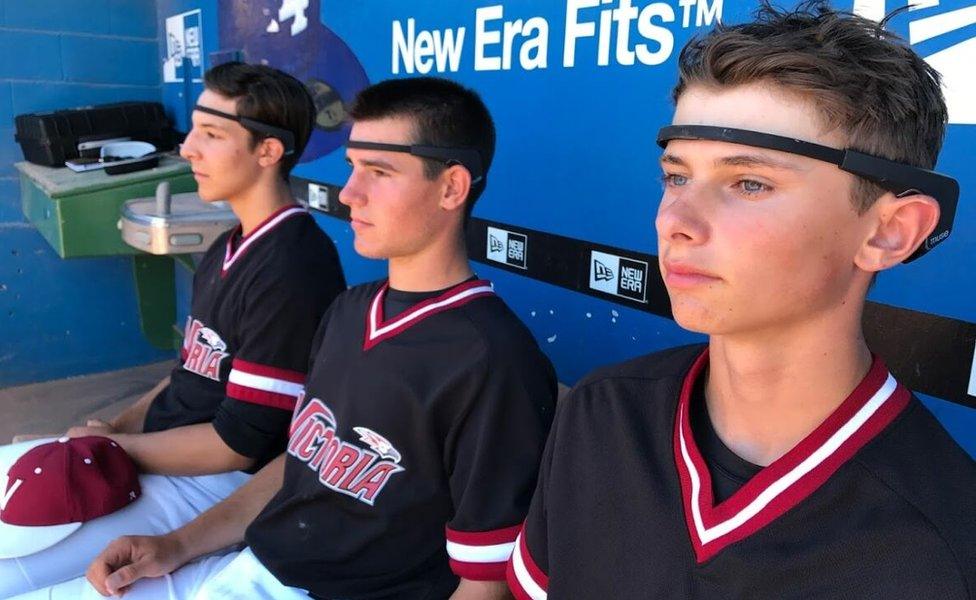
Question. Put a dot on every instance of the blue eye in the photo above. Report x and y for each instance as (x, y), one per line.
(750, 186)
(673, 179)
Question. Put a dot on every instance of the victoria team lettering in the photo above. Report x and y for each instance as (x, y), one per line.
(341, 466)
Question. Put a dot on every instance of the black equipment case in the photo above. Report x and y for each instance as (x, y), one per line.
(50, 138)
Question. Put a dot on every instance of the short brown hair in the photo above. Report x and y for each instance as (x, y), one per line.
(270, 96)
(444, 113)
(862, 79)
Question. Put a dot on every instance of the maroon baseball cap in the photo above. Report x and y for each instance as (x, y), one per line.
(52, 488)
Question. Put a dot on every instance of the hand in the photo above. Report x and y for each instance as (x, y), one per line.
(92, 427)
(131, 558)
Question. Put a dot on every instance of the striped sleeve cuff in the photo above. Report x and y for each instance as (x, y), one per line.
(480, 556)
(525, 578)
(264, 385)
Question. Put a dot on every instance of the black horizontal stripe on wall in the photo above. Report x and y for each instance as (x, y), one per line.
(929, 353)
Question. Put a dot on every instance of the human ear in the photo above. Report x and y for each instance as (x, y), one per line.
(902, 224)
(270, 151)
(456, 186)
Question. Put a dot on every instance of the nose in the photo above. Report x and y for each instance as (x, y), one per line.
(352, 194)
(188, 149)
(680, 217)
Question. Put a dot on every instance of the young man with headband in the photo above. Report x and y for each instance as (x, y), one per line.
(781, 460)
(414, 449)
(258, 295)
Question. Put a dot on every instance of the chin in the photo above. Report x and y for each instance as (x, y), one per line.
(695, 317)
(209, 196)
(367, 251)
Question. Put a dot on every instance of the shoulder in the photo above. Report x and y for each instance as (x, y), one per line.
(364, 293)
(214, 255)
(643, 389)
(666, 365)
(497, 326)
(299, 244)
(298, 256)
(920, 463)
(356, 299)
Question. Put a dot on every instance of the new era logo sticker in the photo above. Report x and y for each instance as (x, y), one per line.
(619, 276)
(602, 272)
(318, 197)
(495, 245)
(507, 247)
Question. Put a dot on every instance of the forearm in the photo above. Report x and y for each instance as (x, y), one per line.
(132, 419)
(189, 450)
(224, 524)
(481, 590)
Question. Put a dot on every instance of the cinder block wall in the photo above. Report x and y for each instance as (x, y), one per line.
(67, 317)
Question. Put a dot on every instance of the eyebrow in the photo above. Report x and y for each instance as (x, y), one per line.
(671, 159)
(374, 162)
(738, 160)
(756, 160)
(210, 125)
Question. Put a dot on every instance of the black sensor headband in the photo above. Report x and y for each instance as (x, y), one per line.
(286, 137)
(469, 158)
(898, 178)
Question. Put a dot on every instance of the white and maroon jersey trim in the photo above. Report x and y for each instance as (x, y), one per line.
(265, 385)
(526, 580)
(231, 255)
(481, 556)
(876, 401)
(378, 329)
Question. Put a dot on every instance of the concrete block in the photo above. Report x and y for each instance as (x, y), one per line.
(106, 60)
(9, 153)
(34, 98)
(10, 201)
(82, 16)
(6, 106)
(61, 317)
(30, 55)
(133, 18)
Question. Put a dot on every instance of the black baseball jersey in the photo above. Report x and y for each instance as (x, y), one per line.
(256, 303)
(413, 455)
(877, 502)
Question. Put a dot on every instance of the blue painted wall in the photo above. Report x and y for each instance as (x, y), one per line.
(67, 317)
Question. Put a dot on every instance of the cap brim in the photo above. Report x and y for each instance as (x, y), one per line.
(17, 541)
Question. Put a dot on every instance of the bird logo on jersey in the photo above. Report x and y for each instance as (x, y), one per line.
(342, 466)
(212, 339)
(379, 443)
(203, 350)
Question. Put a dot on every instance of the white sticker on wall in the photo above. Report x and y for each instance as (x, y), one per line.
(972, 376)
(184, 38)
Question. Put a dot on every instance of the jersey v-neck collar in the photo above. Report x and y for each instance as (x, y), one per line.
(777, 488)
(379, 329)
(231, 254)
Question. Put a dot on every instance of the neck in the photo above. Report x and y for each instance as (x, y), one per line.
(436, 267)
(766, 393)
(254, 205)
